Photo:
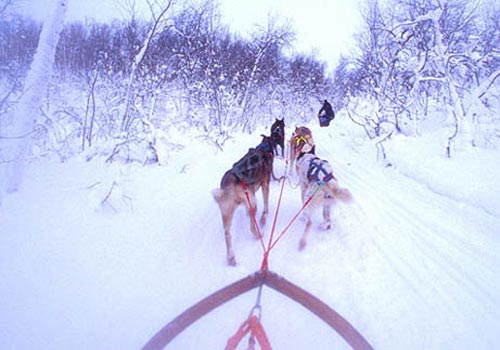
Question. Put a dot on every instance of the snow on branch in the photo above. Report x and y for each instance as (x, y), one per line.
(35, 87)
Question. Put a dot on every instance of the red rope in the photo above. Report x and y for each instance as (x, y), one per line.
(291, 221)
(252, 214)
(306, 203)
(277, 207)
(271, 244)
(264, 265)
(253, 326)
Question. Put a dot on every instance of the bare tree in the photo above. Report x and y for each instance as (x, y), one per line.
(413, 51)
(128, 8)
(19, 139)
(265, 40)
(4, 5)
(159, 21)
(88, 125)
(375, 79)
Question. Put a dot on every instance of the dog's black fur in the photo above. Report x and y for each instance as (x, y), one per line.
(278, 135)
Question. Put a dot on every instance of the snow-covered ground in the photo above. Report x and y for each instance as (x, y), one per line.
(97, 256)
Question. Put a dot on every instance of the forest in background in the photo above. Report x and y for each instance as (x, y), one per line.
(122, 88)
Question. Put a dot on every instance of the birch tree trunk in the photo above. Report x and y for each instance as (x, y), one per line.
(18, 138)
(158, 22)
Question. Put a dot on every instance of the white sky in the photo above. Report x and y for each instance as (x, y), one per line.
(323, 27)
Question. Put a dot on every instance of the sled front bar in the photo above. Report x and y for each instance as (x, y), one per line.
(264, 277)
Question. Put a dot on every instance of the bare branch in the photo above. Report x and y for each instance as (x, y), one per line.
(4, 4)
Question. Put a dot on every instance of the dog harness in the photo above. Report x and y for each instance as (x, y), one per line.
(317, 172)
(254, 162)
(300, 141)
(264, 147)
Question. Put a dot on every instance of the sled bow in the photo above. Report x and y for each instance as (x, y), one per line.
(263, 277)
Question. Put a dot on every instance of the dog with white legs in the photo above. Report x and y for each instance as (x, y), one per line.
(319, 188)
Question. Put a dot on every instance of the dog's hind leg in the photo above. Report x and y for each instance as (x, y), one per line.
(252, 211)
(227, 217)
(303, 239)
(326, 224)
(231, 259)
(291, 156)
(265, 197)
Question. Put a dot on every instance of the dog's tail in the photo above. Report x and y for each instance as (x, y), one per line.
(340, 193)
(218, 193)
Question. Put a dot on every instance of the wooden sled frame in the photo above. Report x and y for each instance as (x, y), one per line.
(264, 277)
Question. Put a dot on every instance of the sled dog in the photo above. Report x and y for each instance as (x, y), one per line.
(301, 141)
(278, 135)
(316, 179)
(246, 176)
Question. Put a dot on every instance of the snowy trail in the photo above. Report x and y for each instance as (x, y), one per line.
(399, 244)
(408, 268)
(436, 250)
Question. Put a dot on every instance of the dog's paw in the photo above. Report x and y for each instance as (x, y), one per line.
(256, 233)
(303, 217)
(263, 219)
(325, 226)
(302, 244)
(231, 261)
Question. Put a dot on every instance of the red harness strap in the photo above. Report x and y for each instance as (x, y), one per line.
(253, 326)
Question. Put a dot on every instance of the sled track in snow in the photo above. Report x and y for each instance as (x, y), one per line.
(416, 239)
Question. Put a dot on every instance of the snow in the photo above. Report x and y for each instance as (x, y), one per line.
(17, 147)
(101, 256)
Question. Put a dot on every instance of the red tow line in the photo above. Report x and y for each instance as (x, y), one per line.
(253, 326)
(273, 241)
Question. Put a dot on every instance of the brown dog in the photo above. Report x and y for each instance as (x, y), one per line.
(301, 141)
(250, 173)
(317, 180)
